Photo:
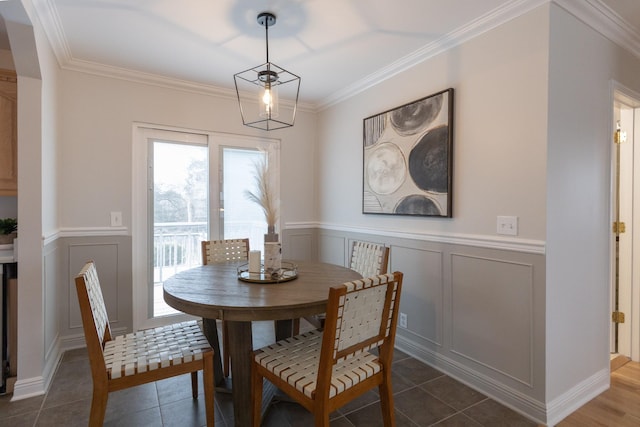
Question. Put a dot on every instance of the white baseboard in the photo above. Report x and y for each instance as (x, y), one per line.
(29, 387)
(567, 403)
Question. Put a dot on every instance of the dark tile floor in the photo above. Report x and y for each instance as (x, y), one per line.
(423, 397)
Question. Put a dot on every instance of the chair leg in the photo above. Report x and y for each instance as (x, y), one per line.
(226, 359)
(98, 407)
(386, 401)
(296, 327)
(194, 385)
(207, 377)
(256, 396)
(321, 416)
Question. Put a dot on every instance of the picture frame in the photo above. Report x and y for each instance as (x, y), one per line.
(408, 158)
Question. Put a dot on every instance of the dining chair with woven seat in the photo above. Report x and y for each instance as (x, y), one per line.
(124, 361)
(368, 259)
(323, 370)
(219, 251)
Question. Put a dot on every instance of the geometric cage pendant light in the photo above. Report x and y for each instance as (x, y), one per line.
(267, 93)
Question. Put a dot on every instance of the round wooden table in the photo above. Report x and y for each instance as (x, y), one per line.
(214, 292)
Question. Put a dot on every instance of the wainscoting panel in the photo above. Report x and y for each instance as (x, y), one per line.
(332, 249)
(422, 290)
(106, 258)
(491, 312)
(475, 309)
(112, 255)
(298, 244)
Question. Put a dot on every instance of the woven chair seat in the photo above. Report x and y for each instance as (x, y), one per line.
(124, 361)
(295, 360)
(151, 349)
(324, 369)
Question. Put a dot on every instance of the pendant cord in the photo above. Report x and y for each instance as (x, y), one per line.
(266, 36)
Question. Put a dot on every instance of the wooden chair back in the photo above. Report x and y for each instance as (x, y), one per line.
(95, 320)
(369, 259)
(219, 251)
(324, 370)
(361, 315)
(227, 250)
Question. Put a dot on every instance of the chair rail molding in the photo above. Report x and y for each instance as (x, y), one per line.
(531, 246)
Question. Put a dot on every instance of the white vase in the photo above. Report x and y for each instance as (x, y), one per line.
(272, 257)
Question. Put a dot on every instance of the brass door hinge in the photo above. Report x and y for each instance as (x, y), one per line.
(619, 137)
(617, 317)
(619, 227)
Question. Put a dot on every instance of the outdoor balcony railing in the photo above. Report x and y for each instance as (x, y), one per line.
(177, 247)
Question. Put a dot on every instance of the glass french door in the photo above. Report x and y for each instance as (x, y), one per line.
(179, 194)
(194, 190)
(240, 217)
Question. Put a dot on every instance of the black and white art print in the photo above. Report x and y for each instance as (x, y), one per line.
(408, 158)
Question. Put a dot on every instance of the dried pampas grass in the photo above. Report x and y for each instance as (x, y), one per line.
(264, 196)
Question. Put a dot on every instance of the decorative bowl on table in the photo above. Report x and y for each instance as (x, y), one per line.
(288, 271)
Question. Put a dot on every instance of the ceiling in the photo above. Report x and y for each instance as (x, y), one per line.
(338, 47)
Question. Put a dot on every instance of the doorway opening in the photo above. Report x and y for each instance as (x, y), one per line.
(625, 284)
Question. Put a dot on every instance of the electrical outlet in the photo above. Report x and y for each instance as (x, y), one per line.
(508, 225)
(116, 219)
(403, 320)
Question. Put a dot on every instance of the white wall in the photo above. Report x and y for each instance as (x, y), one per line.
(96, 151)
(578, 200)
(499, 134)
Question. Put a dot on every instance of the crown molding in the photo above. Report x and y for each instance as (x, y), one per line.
(593, 13)
(478, 26)
(48, 16)
(50, 19)
(164, 82)
(605, 21)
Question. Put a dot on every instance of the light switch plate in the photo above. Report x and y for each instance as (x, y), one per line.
(116, 219)
(508, 225)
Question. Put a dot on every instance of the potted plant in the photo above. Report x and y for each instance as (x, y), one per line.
(8, 230)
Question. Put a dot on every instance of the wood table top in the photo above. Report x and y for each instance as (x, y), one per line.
(214, 292)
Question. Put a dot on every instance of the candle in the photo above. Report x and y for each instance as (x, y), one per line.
(254, 262)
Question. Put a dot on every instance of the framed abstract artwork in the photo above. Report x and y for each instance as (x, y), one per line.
(407, 157)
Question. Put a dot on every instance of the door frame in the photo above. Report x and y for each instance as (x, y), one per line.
(628, 333)
(140, 206)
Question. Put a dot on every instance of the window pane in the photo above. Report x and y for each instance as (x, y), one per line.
(242, 218)
(180, 212)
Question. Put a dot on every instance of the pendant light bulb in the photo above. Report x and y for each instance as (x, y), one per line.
(269, 102)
